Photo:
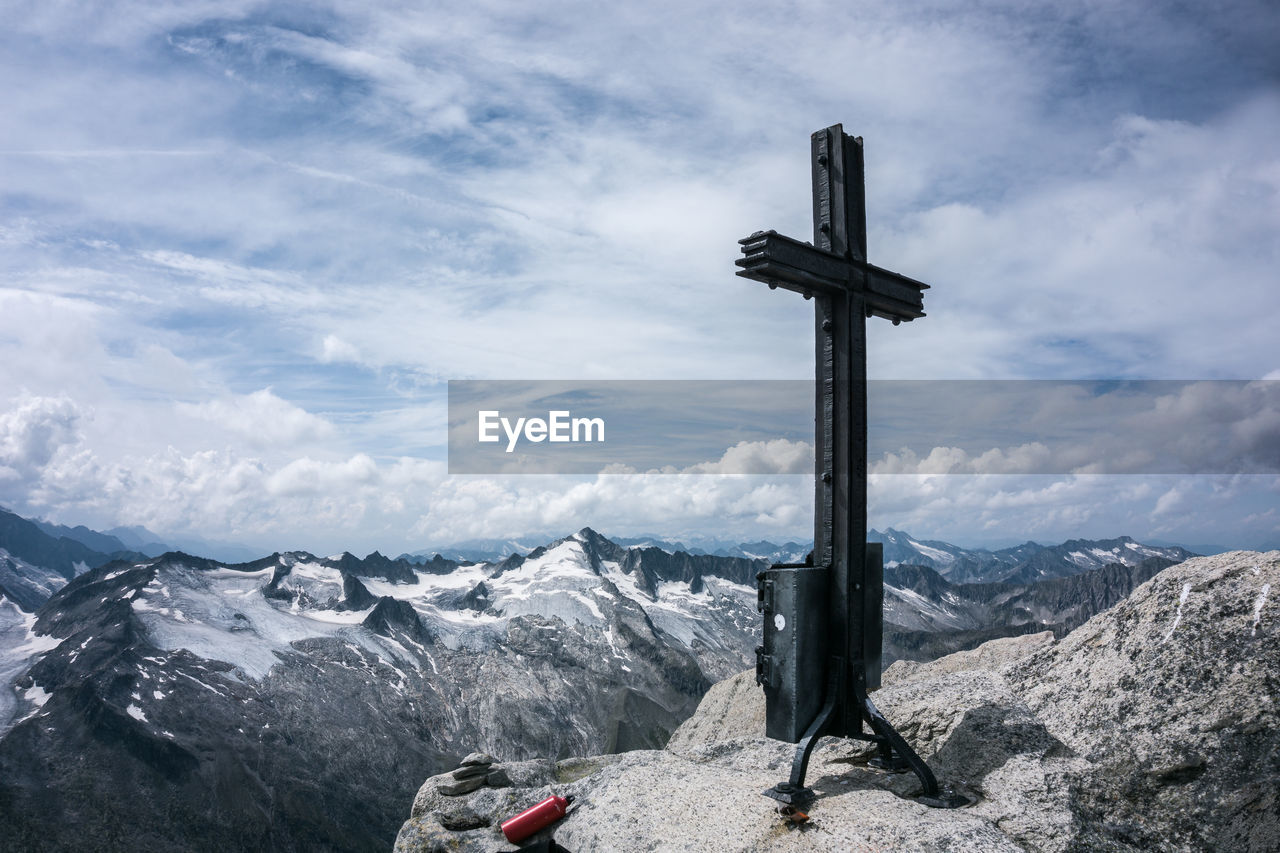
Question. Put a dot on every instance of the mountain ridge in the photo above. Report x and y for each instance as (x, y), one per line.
(1028, 562)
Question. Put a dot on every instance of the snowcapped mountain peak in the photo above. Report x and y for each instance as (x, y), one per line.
(562, 651)
(253, 615)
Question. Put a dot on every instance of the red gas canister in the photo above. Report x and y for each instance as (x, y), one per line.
(534, 818)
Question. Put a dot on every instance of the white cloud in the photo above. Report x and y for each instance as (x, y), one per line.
(311, 477)
(1170, 500)
(335, 349)
(356, 502)
(1024, 459)
(261, 418)
(776, 456)
(31, 434)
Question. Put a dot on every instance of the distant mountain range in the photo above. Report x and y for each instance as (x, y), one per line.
(491, 550)
(138, 539)
(1025, 563)
(296, 702)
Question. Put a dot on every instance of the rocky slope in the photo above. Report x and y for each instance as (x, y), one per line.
(927, 616)
(34, 564)
(1153, 726)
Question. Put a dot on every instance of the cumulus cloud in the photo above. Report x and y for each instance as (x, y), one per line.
(464, 507)
(778, 456)
(332, 502)
(308, 476)
(1024, 459)
(261, 418)
(399, 501)
(31, 434)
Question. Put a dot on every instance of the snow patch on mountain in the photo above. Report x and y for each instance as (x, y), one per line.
(20, 646)
(222, 614)
(252, 616)
(909, 610)
(30, 583)
(932, 553)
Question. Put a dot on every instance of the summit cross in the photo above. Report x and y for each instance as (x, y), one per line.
(822, 619)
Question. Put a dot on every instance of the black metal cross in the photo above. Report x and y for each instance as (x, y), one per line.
(822, 636)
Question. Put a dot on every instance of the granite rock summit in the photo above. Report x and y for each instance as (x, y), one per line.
(1151, 726)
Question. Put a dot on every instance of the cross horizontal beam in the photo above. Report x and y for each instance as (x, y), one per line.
(787, 263)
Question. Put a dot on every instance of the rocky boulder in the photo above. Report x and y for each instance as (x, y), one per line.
(1171, 698)
(1152, 726)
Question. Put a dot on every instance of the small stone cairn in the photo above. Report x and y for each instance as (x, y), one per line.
(476, 771)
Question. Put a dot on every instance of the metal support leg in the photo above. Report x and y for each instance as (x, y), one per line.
(793, 790)
(891, 742)
(886, 759)
(894, 750)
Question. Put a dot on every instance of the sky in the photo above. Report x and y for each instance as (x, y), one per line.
(244, 246)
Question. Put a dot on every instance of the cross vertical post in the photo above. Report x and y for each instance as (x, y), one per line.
(823, 620)
(840, 336)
